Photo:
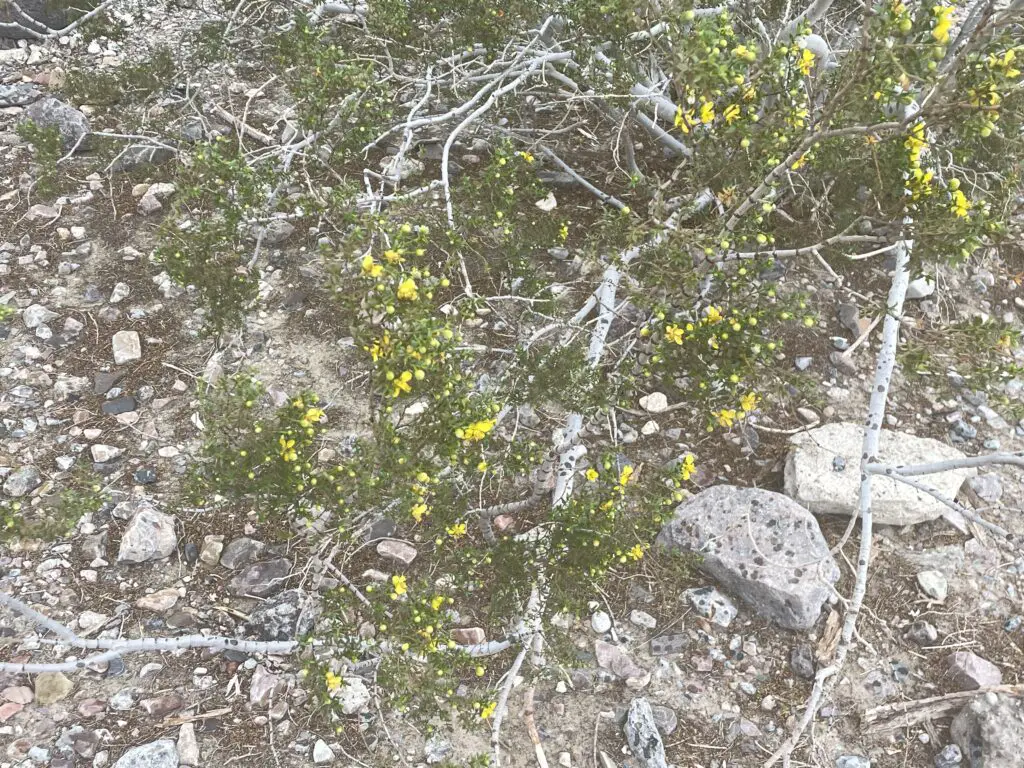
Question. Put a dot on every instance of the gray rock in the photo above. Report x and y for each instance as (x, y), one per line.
(968, 671)
(71, 124)
(22, 481)
(949, 757)
(437, 749)
(668, 644)
(156, 754)
(615, 659)
(761, 546)
(642, 735)
(241, 551)
(920, 288)
(665, 718)
(933, 583)
(53, 15)
(801, 661)
(264, 686)
(396, 550)
(322, 754)
(849, 318)
(600, 622)
(126, 346)
(148, 536)
(188, 746)
(984, 490)
(137, 157)
(711, 604)
(274, 232)
(990, 731)
(35, 315)
(212, 547)
(102, 453)
(852, 761)
(19, 94)
(803, 363)
(642, 619)
(809, 478)
(353, 696)
(261, 579)
(288, 616)
(922, 633)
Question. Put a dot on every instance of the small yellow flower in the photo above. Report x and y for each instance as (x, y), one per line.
(419, 511)
(370, 267)
(437, 602)
(591, 474)
(685, 119)
(625, 475)
(960, 204)
(488, 710)
(476, 431)
(688, 467)
(400, 383)
(393, 257)
(311, 417)
(674, 334)
(333, 681)
(748, 402)
(726, 417)
(943, 23)
(731, 113)
(713, 315)
(636, 552)
(456, 531)
(407, 290)
(707, 112)
(806, 61)
(399, 585)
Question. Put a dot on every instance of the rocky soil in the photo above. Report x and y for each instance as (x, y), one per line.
(99, 369)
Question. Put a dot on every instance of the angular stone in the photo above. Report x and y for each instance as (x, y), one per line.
(801, 661)
(101, 453)
(161, 706)
(762, 547)
(212, 547)
(71, 124)
(352, 696)
(990, 731)
(149, 535)
(984, 490)
(261, 579)
(469, 636)
(642, 735)
(968, 671)
(322, 753)
(188, 746)
(668, 644)
(396, 550)
(642, 619)
(9, 709)
(288, 616)
(52, 687)
(156, 754)
(711, 604)
(933, 583)
(126, 346)
(19, 694)
(35, 315)
(241, 551)
(812, 480)
(22, 481)
(264, 686)
(618, 662)
(655, 402)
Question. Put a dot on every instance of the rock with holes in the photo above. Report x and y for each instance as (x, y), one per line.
(761, 546)
(288, 616)
(823, 485)
(156, 754)
(72, 126)
(990, 731)
(642, 735)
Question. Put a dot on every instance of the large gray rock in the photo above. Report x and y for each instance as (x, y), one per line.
(761, 546)
(643, 737)
(261, 579)
(149, 535)
(990, 731)
(22, 481)
(71, 124)
(19, 94)
(156, 754)
(288, 616)
(823, 474)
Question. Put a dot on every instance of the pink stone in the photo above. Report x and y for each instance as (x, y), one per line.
(469, 636)
(9, 710)
(19, 694)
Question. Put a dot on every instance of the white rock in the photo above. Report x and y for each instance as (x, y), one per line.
(600, 622)
(642, 619)
(120, 293)
(548, 203)
(126, 346)
(933, 583)
(36, 314)
(188, 746)
(91, 620)
(162, 600)
(322, 753)
(656, 402)
(103, 453)
(920, 288)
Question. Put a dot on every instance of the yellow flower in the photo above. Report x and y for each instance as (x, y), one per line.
(287, 447)
(800, 161)
(806, 61)
(399, 585)
(636, 552)
(400, 383)
(407, 290)
(674, 334)
(526, 156)
(625, 475)
(713, 315)
(311, 417)
(748, 402)
(742, 52)
(707, 112)
(437, 602)
(393, 257)
(333, 681)
(943, 23)
(685, 119)
(488, 710)
(960, 204)
(688, 467)
(456, 531)
(731, 113)
(419, 512)
(726, 417)
(591, 474)
(476, 431)
(371, 267)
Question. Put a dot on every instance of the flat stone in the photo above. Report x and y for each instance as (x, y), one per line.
(241, 551)
(968, 671)
(669, 644)
(655, 402)
(711, 604)
(990, 731)
(126, 347)
(51, 687)
(812, 481)
(156, 754)
(101, 453)
(852, 761)
(642, 619)
(19, 694)
(469, 636)
(984, 490)
(288, 616)
(149, 535)
(158, 602)
(615, 659)
(104, 381)
(933, 583)
(71, 124)
(322, 754)
(36, 315)
(352, 696)
(920, 288)
(211, 550)
(642, 735)
(922, 633)
(161, 706)
(9, 709)
(261, 579)
(761, 546)
(265, 686)
(188, 746)
(122, 404)
(396, 550)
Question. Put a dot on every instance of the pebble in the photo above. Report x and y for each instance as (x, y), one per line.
(126, 347)
(600, 622)
(922, 633)
(933, 583)
(853, 761)
(801, 661)
(188, 746)
(396, 550)
(51, 687)
(968, 671)
(655, 402)
(949, 757)
(156, 754)
(642, 619)
(322, 753)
